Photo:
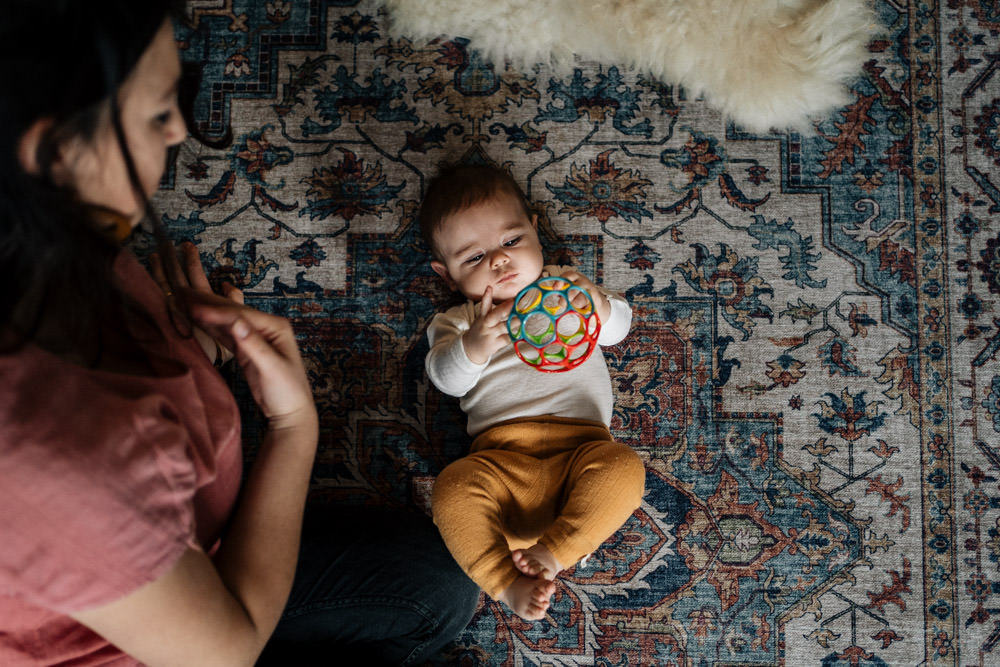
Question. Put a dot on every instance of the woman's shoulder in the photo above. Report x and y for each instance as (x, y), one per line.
(34, 381)
(52, 409)
(97, 479)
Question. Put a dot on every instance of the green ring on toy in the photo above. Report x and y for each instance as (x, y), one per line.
(549, 332)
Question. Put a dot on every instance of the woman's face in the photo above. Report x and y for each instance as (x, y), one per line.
(152, 123)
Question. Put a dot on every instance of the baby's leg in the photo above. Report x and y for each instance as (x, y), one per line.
(528, 597)
(604, 485)
(468, 504)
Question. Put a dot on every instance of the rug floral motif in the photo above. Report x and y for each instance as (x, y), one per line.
(812, 376)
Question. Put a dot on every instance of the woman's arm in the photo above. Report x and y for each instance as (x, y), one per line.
(222, 612)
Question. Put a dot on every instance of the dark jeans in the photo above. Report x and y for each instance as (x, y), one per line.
(373, 587)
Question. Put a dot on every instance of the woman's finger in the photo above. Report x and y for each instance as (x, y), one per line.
(217, 315)
(175, 265)
(193, 269)
(214, 314)
(156, 270)
(253, 346)
(233, 293)
(274, 372)
(220, 319)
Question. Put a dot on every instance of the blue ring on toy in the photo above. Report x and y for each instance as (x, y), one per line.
(547, 318)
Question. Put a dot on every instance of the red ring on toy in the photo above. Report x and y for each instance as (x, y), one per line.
(550, 332)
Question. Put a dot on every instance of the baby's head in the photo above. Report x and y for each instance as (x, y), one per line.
(480, 231)
(462, 186)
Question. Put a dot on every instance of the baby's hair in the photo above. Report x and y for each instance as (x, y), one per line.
(458, 187)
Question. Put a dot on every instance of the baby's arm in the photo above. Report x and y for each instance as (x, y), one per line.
(616, 327)
(448, 366)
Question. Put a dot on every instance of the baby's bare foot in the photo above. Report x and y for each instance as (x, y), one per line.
(529, 597)
(536, 561)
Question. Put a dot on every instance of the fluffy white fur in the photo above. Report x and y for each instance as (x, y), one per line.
(763, 63)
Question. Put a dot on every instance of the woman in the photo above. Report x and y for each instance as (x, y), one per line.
(125, 537)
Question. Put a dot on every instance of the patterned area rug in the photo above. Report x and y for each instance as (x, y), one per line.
(812, 378)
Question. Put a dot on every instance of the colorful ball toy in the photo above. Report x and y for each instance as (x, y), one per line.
(553, 324)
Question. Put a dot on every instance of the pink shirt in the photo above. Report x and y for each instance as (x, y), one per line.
(105, 480)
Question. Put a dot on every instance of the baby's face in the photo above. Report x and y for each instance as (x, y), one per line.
(490, 245)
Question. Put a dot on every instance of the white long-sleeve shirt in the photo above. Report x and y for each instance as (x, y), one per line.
(507, 388)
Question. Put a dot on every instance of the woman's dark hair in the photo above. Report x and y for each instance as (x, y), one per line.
(458, 187)
(63, 60)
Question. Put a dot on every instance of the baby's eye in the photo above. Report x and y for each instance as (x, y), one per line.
(514, 241)
(163, 118)
(473, 260)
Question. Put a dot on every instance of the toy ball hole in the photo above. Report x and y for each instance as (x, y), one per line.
(538, 329)
(554, 352)
(515, 323)
(529, 353)
(571, 328)
(529, 300)
(578, 352)
(554, 303)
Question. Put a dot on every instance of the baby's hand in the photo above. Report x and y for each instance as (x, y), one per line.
(488, 332)
(601, 303)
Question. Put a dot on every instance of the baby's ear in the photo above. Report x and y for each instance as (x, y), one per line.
(442, 270)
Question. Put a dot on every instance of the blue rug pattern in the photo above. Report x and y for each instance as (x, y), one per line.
(812, 377)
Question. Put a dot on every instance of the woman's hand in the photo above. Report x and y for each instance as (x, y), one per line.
(193, 275)
(266, 350)
(488, 332)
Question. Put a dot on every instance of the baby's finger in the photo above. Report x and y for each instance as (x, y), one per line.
(579, 280)
(487, 303)
(579, 300)
(502, 310)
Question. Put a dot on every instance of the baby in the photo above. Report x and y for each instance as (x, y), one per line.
(544, 483)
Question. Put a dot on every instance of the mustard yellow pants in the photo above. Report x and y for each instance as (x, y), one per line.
(562, 483)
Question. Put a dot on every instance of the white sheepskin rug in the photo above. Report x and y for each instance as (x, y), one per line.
(764, 63)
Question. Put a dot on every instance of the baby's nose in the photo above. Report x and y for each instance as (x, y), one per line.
(499, 258)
